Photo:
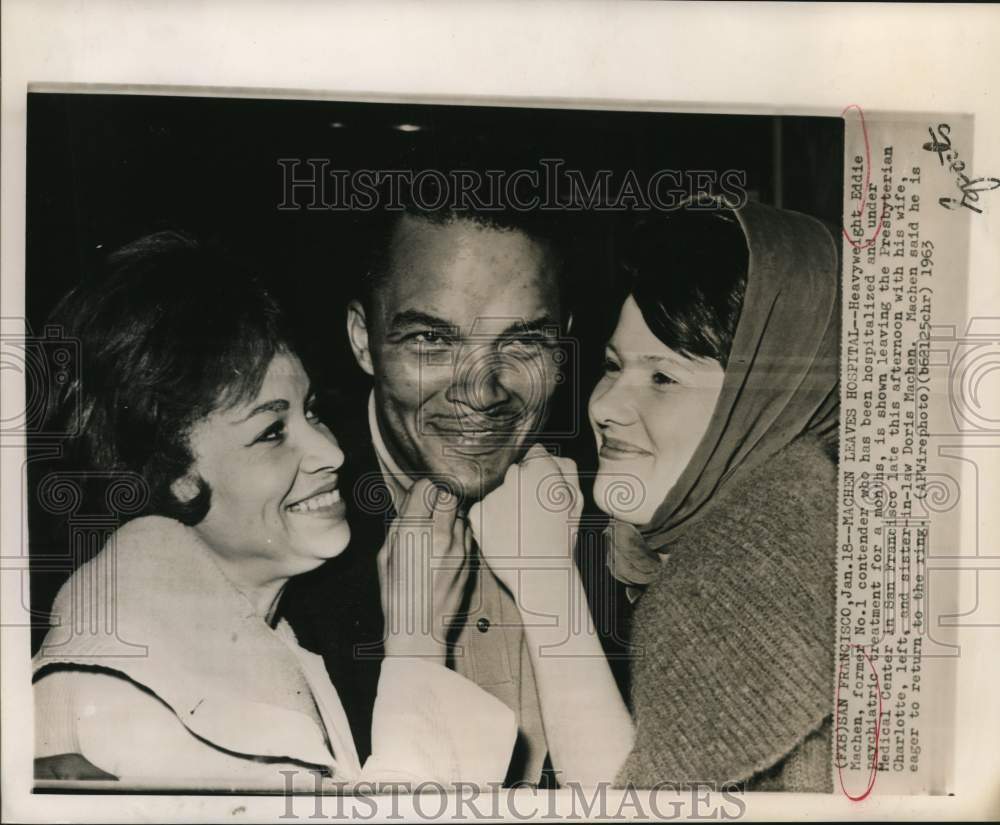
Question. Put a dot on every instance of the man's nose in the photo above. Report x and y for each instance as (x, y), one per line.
(478, 380)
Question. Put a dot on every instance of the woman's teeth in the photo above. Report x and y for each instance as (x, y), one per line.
(316, 502)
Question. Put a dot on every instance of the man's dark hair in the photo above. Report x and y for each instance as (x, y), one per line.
(687, 271)
(546, 229)
(169, 331)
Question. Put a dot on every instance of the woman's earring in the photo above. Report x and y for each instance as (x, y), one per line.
(184, 488)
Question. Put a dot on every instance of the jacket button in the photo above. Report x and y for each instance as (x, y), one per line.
(483, 625)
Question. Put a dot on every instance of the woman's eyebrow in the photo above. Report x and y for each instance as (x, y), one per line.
(274, 406)
(673, 362)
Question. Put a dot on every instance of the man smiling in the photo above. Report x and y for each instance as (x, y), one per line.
(458, 325)
(459, 330)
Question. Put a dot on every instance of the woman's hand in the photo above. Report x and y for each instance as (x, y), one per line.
(529, 522)
(526, 529)
(423, 570)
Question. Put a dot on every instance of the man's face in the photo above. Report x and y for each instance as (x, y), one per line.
(463, 347)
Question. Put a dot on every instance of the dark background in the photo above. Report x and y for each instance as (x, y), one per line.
(105, 169)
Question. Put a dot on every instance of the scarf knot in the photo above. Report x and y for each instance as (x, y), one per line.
(632, 561)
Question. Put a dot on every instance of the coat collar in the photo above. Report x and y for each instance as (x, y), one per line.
(155, 607)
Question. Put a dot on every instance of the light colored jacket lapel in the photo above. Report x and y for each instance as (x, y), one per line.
(154, 606)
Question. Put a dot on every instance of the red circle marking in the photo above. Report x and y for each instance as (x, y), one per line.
(863, 199)
(878, 729)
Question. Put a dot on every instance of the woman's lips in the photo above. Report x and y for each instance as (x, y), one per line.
(323, 504)
(615, 449)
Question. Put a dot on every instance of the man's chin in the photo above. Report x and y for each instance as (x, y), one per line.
(469, 491)
(468, 487)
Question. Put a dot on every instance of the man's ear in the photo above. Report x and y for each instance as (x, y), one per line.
(357, 334)
(185, 488)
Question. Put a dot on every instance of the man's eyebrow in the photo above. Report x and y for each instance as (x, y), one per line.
(275, 406)
(414, 317)
(539, 324)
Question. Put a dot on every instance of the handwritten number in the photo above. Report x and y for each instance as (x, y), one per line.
(940, 144)
(970, 193)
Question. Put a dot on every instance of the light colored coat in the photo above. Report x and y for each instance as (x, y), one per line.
(157, 668)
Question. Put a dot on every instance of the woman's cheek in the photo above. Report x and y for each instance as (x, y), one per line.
(665, 424)
(623, 493)
(260, 484)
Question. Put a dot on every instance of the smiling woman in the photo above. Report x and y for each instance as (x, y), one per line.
(720, 402)
(718, 409)
(276, 510)
(649, 413)
(190, 381)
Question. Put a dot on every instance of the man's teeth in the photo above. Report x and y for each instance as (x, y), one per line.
(316, 502)
(466, 434)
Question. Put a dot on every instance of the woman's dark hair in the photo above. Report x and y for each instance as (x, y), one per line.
(688, 274)
(169, 331)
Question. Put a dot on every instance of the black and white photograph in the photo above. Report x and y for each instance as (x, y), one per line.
(371, 408)
(380, 447)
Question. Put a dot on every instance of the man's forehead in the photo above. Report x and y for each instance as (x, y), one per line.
(464, 302)
(461, 271)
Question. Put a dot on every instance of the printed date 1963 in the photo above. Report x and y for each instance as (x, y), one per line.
(940, 144)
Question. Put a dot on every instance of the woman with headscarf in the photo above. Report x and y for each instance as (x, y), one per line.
(716, 423)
